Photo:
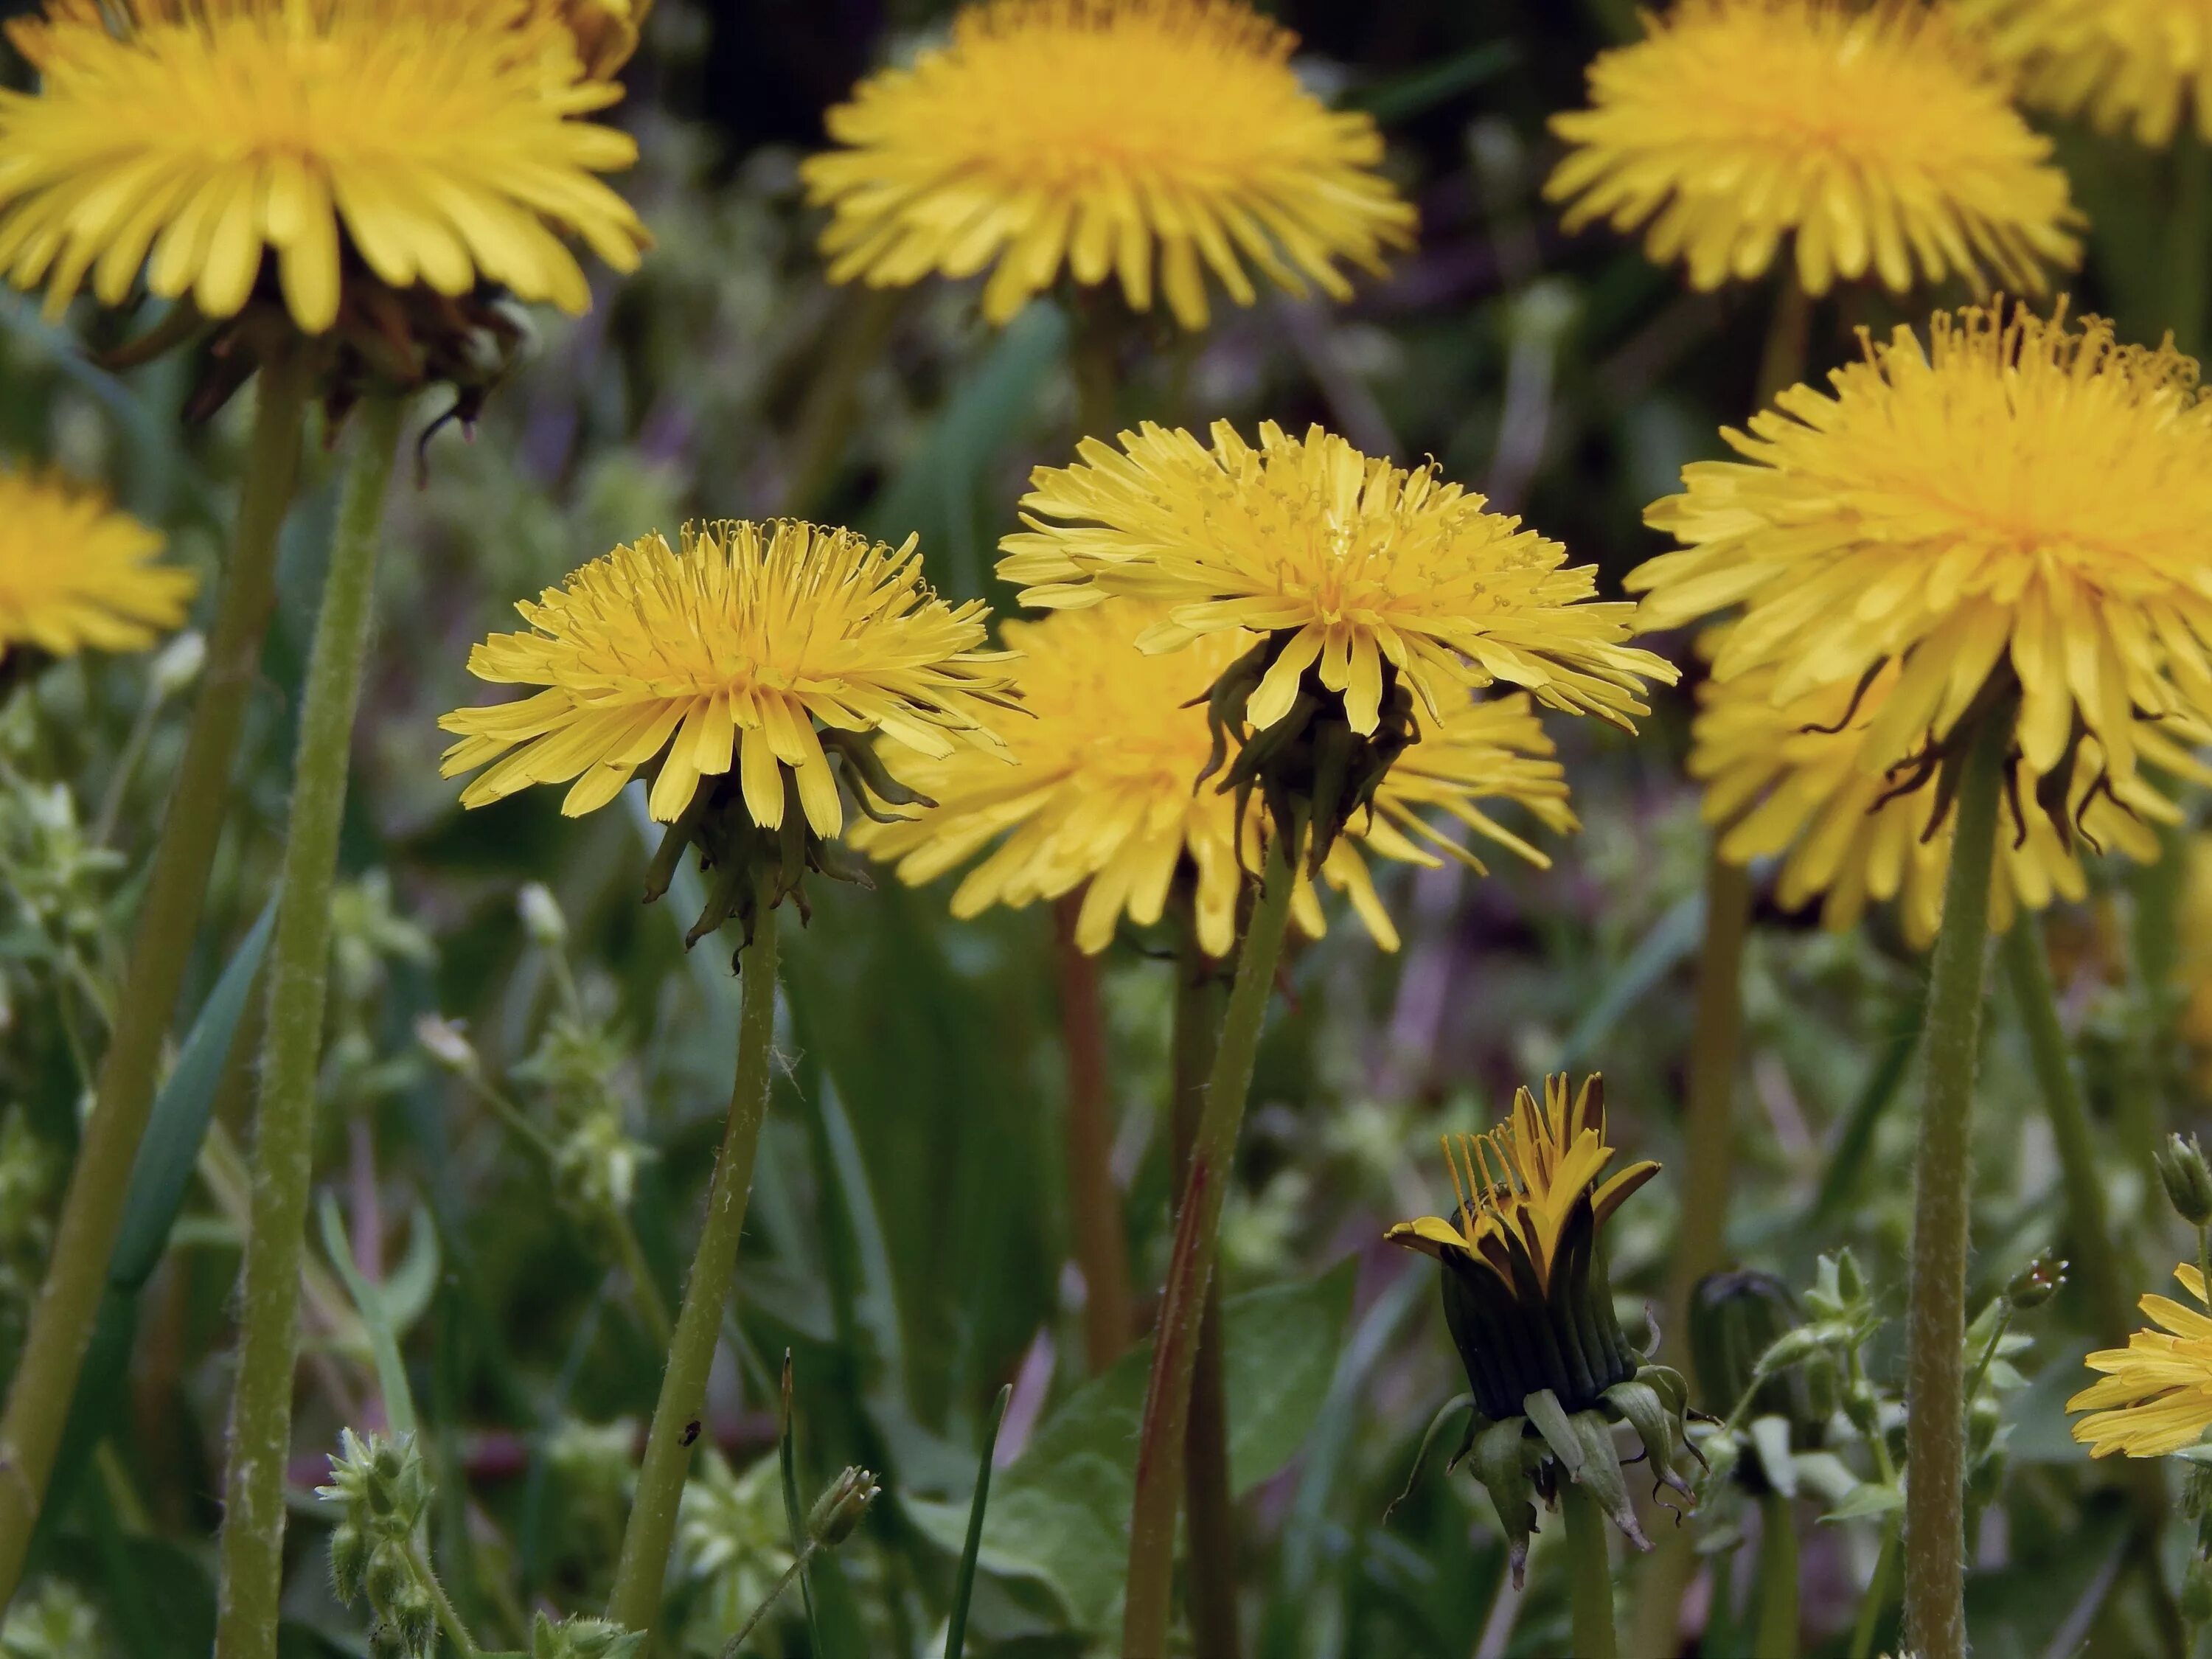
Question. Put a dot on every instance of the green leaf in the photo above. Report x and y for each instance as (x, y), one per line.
(1671, 940)
(375, 1316)
(1059, 1514)
(964, 1583)
(1868, 1497)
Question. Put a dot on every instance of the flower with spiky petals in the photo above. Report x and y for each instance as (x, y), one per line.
(1530, 1309)
(2156, 1396)
(1785, 780)
(2014, 513)
(723, 657)
(74, 572)
(1877, 136)
(224, 144)
(1104, 795)
(2129, 65)
(1364, 572)
(1149, 140)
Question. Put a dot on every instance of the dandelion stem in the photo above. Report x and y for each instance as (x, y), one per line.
(1589, 1574)
(643, 1564)
(253, 1543)
(84, 1237)
(1778, 1579)
(1190, 1268)
(1094, 1206)
(1210, 1516)
(1934, 1425)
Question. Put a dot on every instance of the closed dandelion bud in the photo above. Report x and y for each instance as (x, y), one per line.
(541, 917)
(840, 1506)
(1735, 1320)
(2188, 1182)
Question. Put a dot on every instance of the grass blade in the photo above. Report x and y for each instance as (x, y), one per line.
(376, 1318)
(963, 1584)
(786, 1452)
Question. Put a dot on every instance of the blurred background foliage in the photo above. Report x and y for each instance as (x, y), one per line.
(908, 1244)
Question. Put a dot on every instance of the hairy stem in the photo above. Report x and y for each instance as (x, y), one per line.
(642, 1566)
(1934, 1427)
(1190, 1269)
(253, 1543)
(92, 1213)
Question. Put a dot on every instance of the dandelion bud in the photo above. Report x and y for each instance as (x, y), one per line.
(840, 1506)
(2188, 1181)
(541, 917)
(1735, 1320)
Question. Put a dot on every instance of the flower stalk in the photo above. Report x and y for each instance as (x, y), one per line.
(1935, 1429)
(1777, 1636)
(1094, 1206)
(642, 1567)
(92, 1213)
(252, 1542)
(1589, 1573)
(1159, 1479)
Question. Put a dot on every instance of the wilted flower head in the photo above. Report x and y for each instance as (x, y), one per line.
(2128, 65)
(75, 573)
(1146, 141)
(2156, 1393)
(1104, 794)
(2017, 507)
(1787, 781)
(425, 142)
(1876, 137)
(725, 656)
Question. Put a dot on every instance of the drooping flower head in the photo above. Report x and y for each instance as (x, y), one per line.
(216, 144)
(2156, 1396)
(1530, 1309)
(2128, 65)
(75, 573)
(2017, 509)
(1146, 141)
(1373, 587)
(1877, 138)
(1104, 797)
(738, 657)
(1788, 780)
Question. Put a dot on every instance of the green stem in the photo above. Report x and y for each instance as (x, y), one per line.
(76, 1270)
(1159, 1478)
(774, 1594)
(253, 1543)
(1101, 1252)
(448, 1617)
(1934, 1427)
(2090, 1245)
(643, 1564)
(1210, 1523)
(1589, 1574)
(1876, 1599)
(1976, 1377)
(1778, 1579)
(651, 1306)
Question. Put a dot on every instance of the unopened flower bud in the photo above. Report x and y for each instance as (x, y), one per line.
(445, 1041)
(541, 917)
(840, 1506)
(348, 1563)
(582, 1638)
(2188, 1181)
(2037, 1283)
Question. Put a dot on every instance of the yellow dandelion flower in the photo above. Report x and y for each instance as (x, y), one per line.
(2156, 1396)
(76, 574)
(1876, 137)
(432, 142)
(2016, 503)
(1111, 136)
(1367, 571)
(1785, 780)
(1520, 1252)
(1105, 793)
(606, 31)
(734, 647)
(2128, 65)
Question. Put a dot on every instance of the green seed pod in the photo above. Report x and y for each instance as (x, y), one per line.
(840, 1506)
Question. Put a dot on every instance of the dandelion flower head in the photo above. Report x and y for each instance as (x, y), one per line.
(2155, 1395)
(1147, 141)
(1876, 137)
(2128, 65)
(76, 574)
(431, 141)
(1104, 795)
(2014, 502)
(724, 654)
(1785, 780)
(1361, 568)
